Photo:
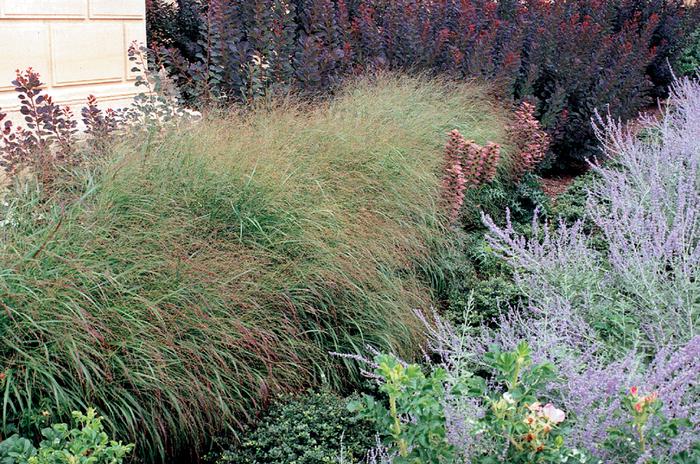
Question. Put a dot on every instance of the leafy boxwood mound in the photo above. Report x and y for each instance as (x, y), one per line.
(198, 275)
(313, 428)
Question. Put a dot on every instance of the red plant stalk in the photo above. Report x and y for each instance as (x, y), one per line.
(492, 156)
(480, 164)
(531, 141)
(473, 164)
(467, 166)
(453, 181)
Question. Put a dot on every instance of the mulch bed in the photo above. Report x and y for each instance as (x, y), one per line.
(555, 186)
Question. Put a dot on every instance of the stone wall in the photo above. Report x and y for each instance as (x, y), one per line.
(78, 46)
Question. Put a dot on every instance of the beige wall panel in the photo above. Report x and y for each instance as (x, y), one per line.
(77, 54)
(117, 8)
(85, 53)
(133, 31)
(44, 8)
(24, 44)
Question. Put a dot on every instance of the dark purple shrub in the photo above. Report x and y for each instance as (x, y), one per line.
(568, 57)
(174, 25)
(577, 61)
(48, 135)
(100, 126)
(49, 140)
(321, 55)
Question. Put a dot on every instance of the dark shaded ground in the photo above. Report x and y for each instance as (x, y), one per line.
(555, 186)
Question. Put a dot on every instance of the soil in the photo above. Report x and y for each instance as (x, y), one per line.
(555, 186)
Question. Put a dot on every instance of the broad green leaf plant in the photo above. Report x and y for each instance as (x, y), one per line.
(87, 443)
(413, 425)
(515, 428)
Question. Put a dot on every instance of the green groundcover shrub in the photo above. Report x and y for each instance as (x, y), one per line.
(689, 62)
(200, 272)
(476, 286)
(314, 428)
(86, 443)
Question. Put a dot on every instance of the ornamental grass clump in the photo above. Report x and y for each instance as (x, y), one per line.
(187, 280)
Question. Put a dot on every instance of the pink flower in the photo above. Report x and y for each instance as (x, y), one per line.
(534, 407)
(531, 141)
(633, 391)
(553, 414)
(453, 180)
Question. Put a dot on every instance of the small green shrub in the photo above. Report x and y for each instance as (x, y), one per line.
(519, 198)
(645, 428)
(473, 277)
(413, 425)
(571, 205)
(86, 443)
(491, 296)
(503, 415)
(689, 62)
(476, 285)
(315, 428)
(515, 420)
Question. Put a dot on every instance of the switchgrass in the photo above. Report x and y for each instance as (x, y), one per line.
(199, 275)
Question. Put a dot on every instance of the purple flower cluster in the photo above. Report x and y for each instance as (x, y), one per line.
(646, 209)
(589, 385)
(626, 313)
(590, 390)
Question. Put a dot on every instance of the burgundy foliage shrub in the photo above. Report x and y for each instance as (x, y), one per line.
(100, 126)
(48, 139)
(569, 57)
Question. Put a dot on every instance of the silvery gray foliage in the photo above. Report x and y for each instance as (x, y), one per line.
(648, 209)
(610, 317)
(158, 105)
(601, 313)
(589, 384)
(642, 287)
